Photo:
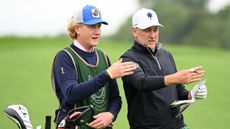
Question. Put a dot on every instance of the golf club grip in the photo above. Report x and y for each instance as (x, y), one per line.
(48, 122)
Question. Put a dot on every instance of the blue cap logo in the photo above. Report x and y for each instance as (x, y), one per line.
(91, 15)
(95, 13)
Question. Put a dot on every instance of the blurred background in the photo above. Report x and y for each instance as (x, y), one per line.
(31, 33)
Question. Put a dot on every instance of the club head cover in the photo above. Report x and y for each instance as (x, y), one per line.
(20, 115)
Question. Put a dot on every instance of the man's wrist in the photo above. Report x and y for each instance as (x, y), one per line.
(109, 73)
(113, 117)
(169, 80)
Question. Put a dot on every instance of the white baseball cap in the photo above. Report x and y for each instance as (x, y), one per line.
(89, 15)
(145, 18)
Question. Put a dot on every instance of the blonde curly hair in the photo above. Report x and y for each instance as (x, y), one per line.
(71, 28)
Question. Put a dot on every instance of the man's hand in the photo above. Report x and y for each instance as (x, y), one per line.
(102, 120)
(185, 76)
(120, 69)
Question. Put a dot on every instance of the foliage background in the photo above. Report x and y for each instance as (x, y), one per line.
(186, 22)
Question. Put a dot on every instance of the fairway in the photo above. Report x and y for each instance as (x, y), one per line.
(25, 79)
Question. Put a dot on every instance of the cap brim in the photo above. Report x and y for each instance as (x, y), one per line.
(95, 21)
(147, 26)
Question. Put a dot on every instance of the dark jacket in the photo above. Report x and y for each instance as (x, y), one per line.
(147, 96)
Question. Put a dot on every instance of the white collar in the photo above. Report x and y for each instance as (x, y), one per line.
(78, 45)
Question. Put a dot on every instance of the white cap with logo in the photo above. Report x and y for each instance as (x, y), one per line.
(145, 18)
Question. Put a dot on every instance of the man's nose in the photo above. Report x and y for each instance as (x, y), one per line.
(153, 34)
(97, 30)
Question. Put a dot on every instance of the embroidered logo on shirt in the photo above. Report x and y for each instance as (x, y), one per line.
(62, 70)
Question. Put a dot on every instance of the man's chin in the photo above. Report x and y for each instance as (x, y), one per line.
(94, 43)
(151, 45)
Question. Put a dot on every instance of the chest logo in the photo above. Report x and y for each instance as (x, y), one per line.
(62, 70)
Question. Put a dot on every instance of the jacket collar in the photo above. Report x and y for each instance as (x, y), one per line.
(137, 46)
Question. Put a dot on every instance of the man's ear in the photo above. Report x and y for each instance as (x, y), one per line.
(134, 32)
(77, 29)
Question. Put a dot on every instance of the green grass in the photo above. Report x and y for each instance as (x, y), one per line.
(25, 65)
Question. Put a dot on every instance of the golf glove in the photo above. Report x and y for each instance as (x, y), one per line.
(199, 93)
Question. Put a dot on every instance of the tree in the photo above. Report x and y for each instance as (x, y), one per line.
(224, 20)
(186, 22)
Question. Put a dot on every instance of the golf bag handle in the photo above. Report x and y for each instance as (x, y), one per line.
(75, 117)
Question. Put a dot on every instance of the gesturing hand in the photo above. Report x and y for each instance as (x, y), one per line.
(186, 76)
(120, 69)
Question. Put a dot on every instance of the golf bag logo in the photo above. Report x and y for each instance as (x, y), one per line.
(98, 98)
